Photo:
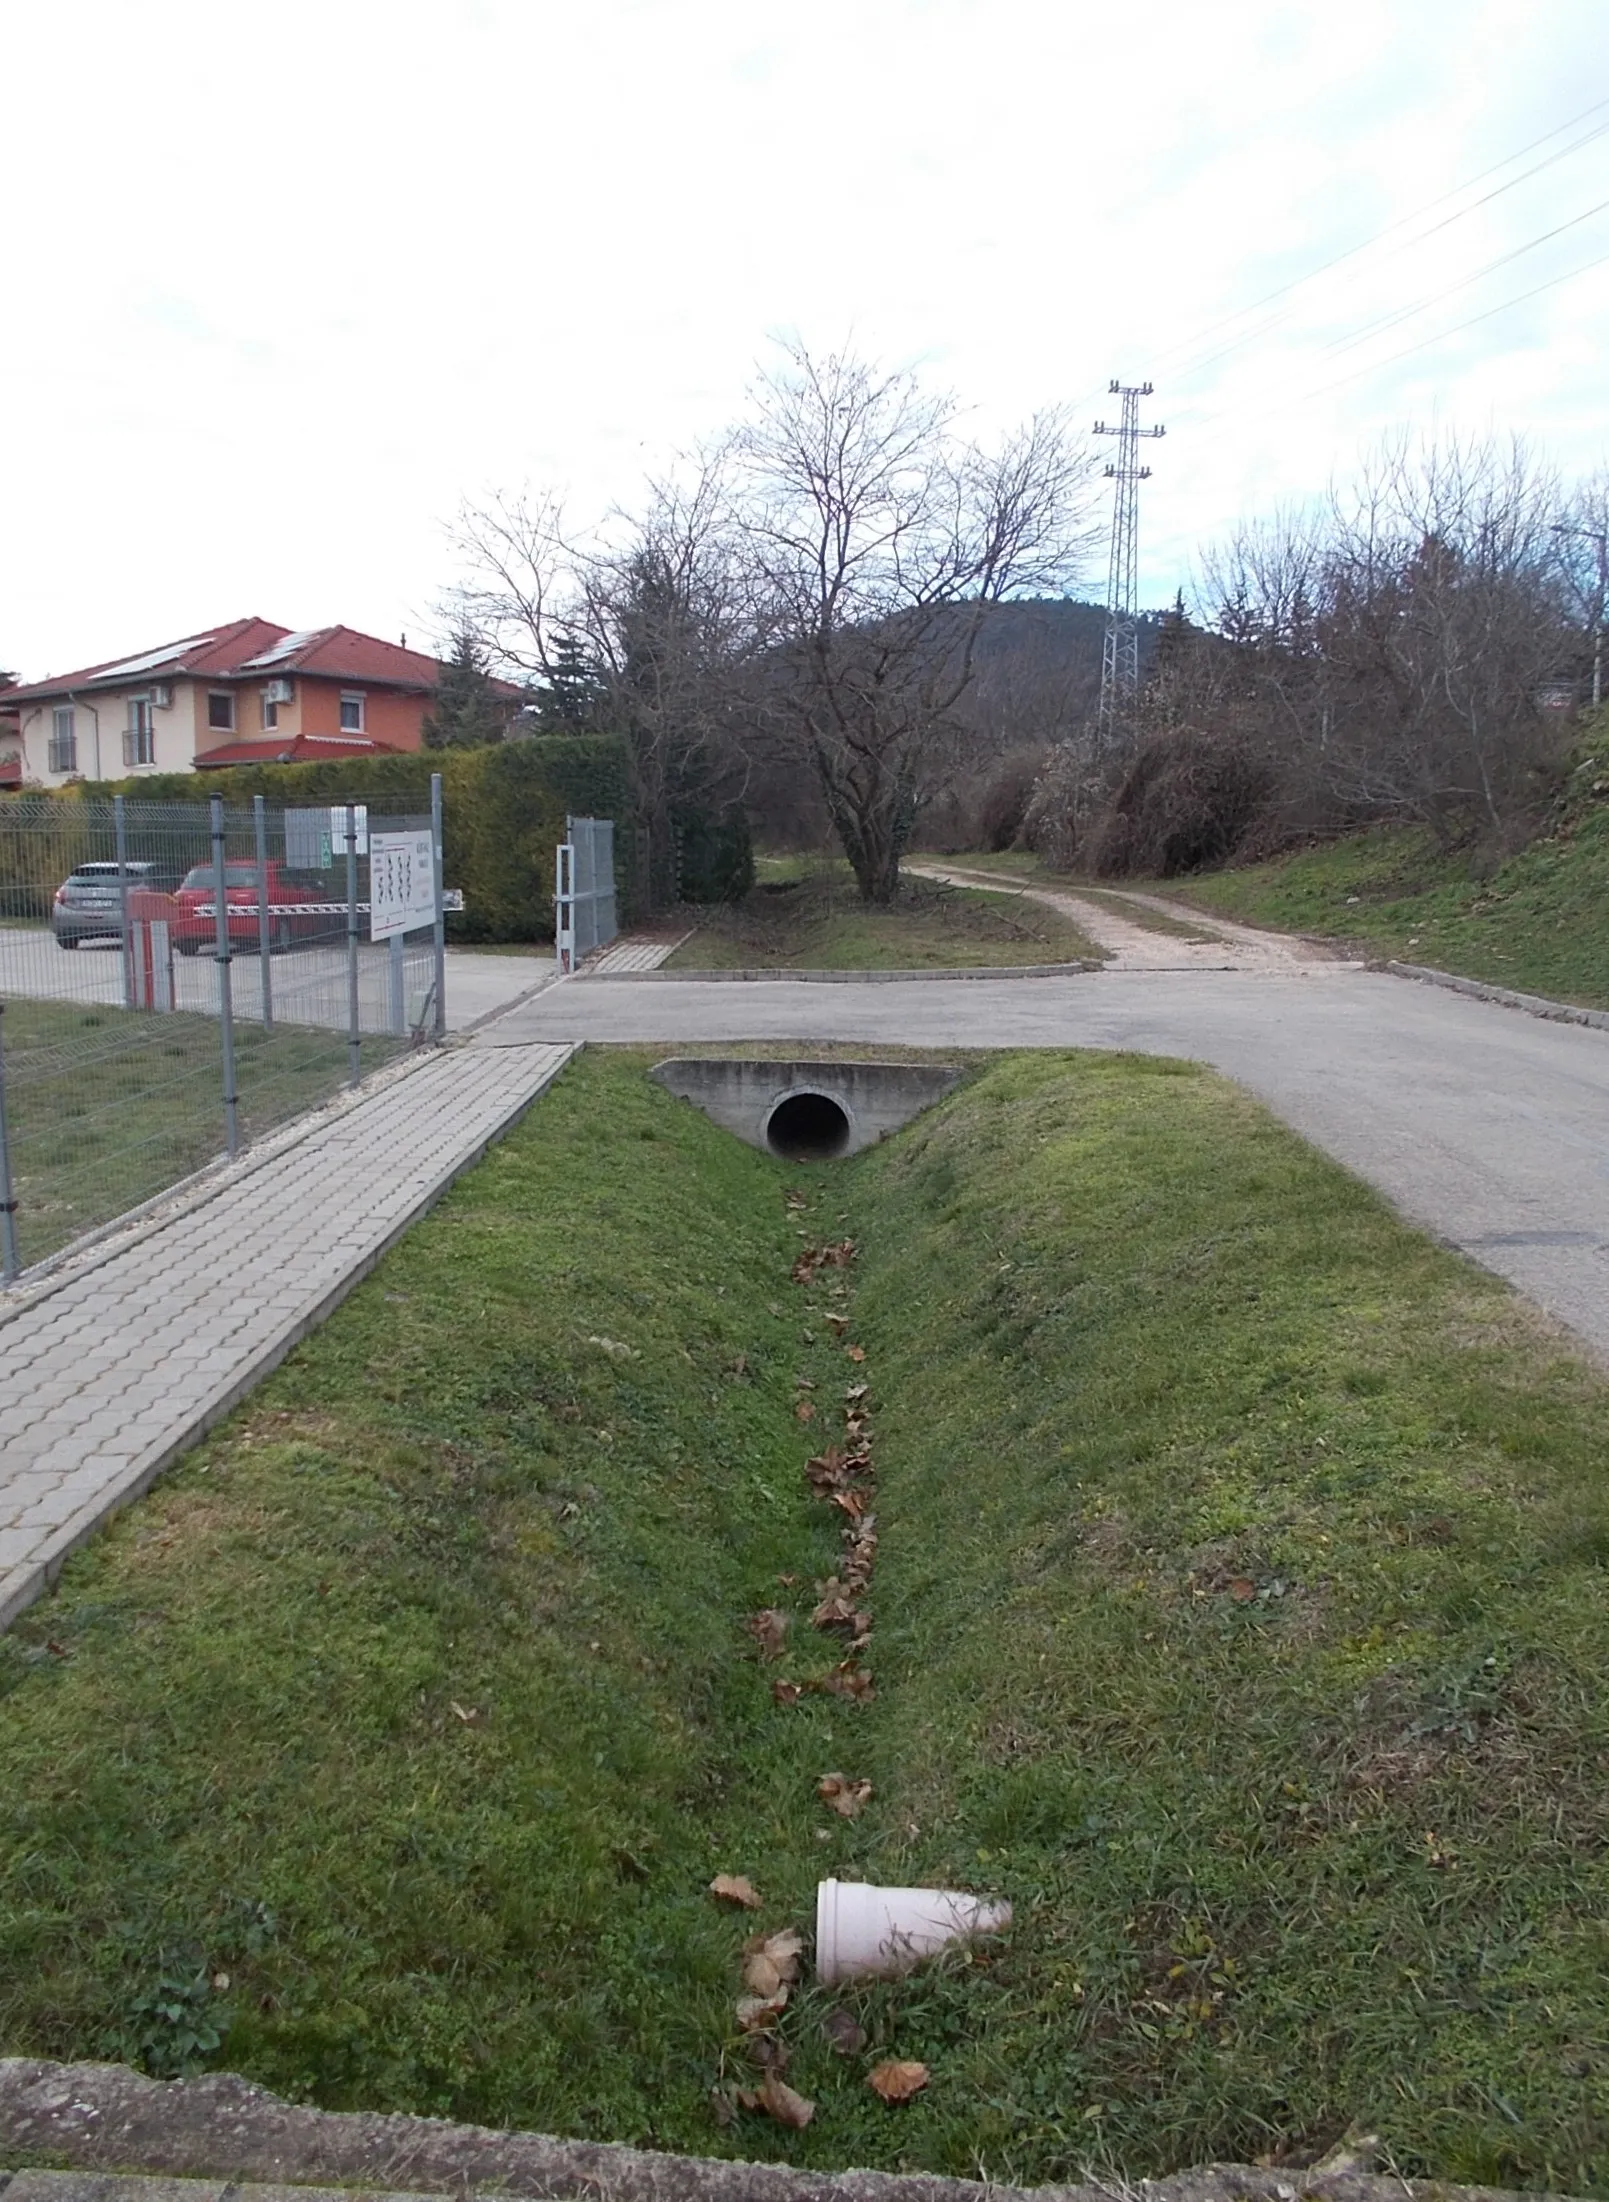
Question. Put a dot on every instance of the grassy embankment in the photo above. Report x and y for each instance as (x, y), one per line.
(1540, 922)
(1240, 1613)
(107, 1107)
(806, 914)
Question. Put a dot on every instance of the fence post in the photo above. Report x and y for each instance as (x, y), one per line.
(125, 938)
(398, 1018)
(10, 1267)
(440, 941)
(264, 946)
(226, 1006)
(354, 1044)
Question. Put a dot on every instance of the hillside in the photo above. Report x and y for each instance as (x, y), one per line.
(1540, 922)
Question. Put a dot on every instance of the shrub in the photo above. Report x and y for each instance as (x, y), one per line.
(504, 811)
(1185, 804)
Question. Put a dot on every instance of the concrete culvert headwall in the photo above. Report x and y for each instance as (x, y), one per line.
(808, 1112)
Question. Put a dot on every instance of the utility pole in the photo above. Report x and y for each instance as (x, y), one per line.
(1600, 536)
(1120, 650)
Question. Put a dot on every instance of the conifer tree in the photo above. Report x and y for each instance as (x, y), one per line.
(469, 712)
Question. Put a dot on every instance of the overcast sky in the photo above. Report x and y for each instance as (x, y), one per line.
(286, 283)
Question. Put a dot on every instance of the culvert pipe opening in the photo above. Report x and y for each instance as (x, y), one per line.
(807, 1127)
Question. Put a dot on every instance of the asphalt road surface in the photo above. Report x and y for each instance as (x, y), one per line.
(1488, 1127)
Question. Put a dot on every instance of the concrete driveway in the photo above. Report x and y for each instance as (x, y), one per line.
(309, 981)
(1488, 1127)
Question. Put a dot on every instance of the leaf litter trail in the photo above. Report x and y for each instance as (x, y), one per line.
(1131, 945)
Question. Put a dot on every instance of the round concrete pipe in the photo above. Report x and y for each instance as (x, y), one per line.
(807, 1127)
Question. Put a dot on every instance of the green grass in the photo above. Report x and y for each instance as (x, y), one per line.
(806, 914)
(1241, 1614)
(107, 1107)
(1540, 922)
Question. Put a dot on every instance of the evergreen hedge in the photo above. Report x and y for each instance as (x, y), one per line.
(504, 808)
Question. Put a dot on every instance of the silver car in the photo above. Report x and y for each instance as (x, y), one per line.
(89, 902)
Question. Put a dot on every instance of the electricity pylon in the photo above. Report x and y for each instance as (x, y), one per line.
(1120, 650)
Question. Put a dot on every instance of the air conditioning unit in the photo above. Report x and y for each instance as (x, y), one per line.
(162, 695)
(279, 691)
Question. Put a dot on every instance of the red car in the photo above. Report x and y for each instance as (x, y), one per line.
(299, 908)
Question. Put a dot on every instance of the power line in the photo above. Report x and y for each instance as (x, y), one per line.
(1474, 321)
(1367, 244)
(1406, 313)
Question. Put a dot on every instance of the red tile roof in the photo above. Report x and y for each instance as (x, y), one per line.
(257, 649)
(294, 749)
(213, 652)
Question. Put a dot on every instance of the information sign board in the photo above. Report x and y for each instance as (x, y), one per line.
(402, 883)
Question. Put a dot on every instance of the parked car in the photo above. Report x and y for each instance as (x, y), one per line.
(298, 908)
(88, 904)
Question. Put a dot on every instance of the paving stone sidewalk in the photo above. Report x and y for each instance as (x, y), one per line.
(107, 1376)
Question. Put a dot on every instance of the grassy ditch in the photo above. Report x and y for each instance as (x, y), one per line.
(1238, 1611)
(809, 916)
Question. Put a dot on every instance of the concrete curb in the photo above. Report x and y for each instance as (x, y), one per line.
(849, 978)
(1534, 1005)
(22, 1586)
(213, 2132)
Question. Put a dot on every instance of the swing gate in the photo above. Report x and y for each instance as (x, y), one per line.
(584, 890)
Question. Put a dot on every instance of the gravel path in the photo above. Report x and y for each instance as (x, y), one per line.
(1131, 945)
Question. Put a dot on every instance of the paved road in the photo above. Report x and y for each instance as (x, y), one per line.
(1489, 1127)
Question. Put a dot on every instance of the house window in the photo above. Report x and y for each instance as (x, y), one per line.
(63, 739)
(351, 714)
(270, 710)
(221, 710)
(139, 736)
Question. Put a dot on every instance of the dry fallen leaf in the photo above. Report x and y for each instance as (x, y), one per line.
(1242, 1589)
(469, 1714)
(848, 1680)
(768, 2050)
(768, 1627)
(736, 1888)
(805, 1411)
(856, 1392)
(787, 1693)
(757, 2012)
(856, 1353)
(846, 1797)
(836, 1611)
(844, 2031)
(839, 1323)
(897, 2082)
(778, 2100)
(771, 1961)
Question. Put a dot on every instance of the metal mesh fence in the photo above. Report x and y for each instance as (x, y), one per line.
(143, 1033)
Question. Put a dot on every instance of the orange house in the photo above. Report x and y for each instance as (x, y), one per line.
(246, 693)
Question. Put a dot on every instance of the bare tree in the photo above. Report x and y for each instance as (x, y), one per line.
(876, 537)
(646, 616)
(1581, 533)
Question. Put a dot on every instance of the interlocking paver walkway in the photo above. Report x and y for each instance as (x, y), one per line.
(106, 1378)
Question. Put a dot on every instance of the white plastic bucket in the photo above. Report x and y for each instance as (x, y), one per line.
(866, 1932)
